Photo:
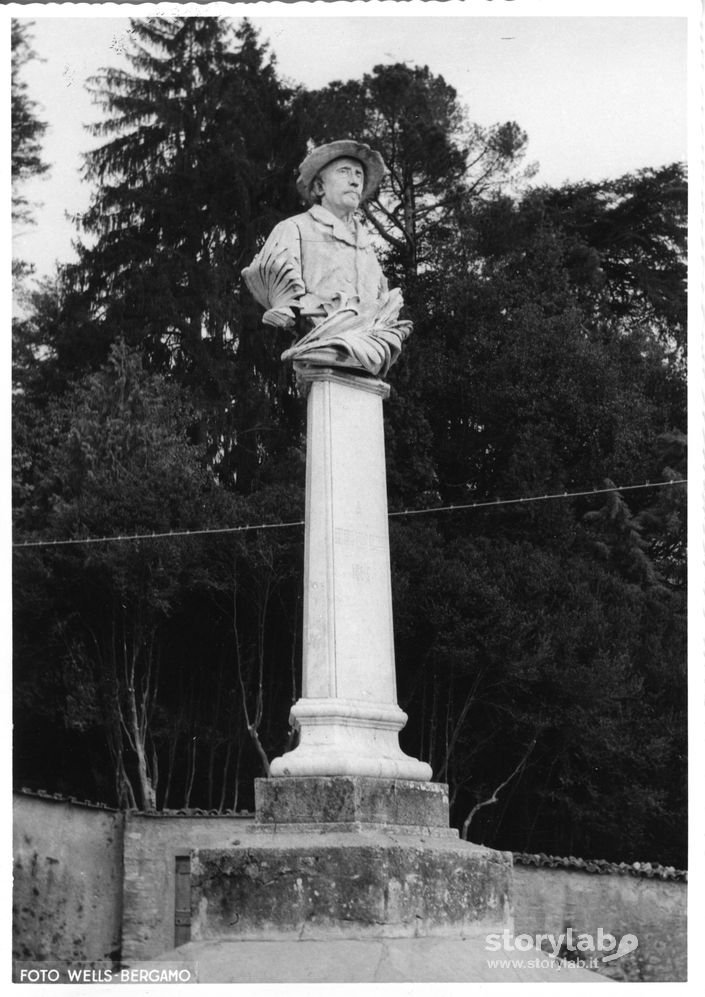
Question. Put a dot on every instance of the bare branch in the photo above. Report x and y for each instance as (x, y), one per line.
(385, 233)
(259, 749)
(469, 700)
(493, 798)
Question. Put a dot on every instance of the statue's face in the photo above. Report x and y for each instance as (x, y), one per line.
(341, 184)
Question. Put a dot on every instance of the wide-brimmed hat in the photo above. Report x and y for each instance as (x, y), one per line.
(323, 154)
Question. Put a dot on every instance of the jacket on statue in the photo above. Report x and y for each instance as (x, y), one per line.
(329, 272)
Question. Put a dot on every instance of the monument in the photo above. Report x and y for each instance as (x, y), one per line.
(353, 837)
(318, 275)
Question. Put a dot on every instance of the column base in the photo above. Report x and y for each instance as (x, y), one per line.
(351, 738)
(333, 885)
(352, 802)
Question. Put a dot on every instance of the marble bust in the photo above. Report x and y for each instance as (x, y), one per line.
(318, 275)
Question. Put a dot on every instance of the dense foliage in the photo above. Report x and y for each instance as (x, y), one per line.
(540, 645)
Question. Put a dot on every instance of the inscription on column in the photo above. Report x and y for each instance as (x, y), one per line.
(358, 539)
(362, 573)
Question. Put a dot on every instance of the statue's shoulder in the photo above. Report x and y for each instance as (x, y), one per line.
(308, 225)
(292, 224)
(304, 220)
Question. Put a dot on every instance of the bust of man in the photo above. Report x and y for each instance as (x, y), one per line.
(321, 267)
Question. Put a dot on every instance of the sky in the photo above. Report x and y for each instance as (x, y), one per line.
(599, 96)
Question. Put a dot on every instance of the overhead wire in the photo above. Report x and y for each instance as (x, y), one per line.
(430, 510)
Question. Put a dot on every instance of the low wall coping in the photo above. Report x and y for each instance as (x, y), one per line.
(602, 867)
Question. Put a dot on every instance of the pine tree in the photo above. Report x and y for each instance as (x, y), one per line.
(197, 167)
(27, 127)
(179, 182)
(27, 132)
(435, 156)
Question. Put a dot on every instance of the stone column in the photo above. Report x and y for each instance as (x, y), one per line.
(348, 716)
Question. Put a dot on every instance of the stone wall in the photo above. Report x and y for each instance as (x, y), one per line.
(548, 900)
(153, 843)
(86, 876)
(67, 881)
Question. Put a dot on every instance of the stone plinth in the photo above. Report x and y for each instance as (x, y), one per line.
(348, 717)
(352, 802)
(338, 885)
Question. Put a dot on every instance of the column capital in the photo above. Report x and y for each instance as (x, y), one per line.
(307, 374)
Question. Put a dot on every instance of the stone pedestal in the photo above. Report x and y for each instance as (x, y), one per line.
(337, 885)
(354, 803)
(350, 857)
(348, 717)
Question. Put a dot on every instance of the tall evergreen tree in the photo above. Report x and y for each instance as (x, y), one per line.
(27, 128)
(200, 153)
(26, 157)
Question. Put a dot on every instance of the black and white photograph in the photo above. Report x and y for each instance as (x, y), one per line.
(354, 637)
